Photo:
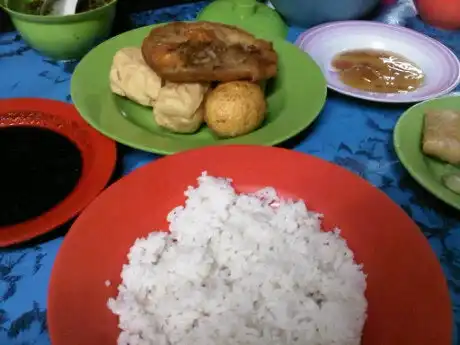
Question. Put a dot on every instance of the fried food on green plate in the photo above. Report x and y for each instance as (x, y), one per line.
(441, 135)
(204, 52)
(235, 108)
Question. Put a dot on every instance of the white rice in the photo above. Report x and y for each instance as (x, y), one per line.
(240, 269)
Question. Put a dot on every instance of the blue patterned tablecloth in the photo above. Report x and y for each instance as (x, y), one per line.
(352, 133)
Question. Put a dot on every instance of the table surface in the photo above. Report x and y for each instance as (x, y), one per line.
(351, 133)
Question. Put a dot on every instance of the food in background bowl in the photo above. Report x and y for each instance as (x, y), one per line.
(235, 108)
(240, 269)
(172, 75)
(61, 37)
(35, 7)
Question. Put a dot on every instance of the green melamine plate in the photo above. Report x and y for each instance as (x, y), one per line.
(295, 98)
(408, 145)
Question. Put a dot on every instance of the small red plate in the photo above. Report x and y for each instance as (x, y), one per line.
(407, 292)
(98, 153)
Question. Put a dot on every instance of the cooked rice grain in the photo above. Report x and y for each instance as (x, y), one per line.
(240, 269)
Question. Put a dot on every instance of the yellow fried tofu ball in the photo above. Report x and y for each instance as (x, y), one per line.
(235, 108)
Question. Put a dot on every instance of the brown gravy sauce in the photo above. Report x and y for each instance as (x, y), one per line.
(378, 71)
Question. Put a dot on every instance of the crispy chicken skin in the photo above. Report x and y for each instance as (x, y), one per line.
(204, 52)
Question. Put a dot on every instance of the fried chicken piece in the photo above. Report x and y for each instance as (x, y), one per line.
(204, 52)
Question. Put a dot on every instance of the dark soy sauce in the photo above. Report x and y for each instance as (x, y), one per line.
(39, 168)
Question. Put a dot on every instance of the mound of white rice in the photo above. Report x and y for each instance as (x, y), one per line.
(240, 269)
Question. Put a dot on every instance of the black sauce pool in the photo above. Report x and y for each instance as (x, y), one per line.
(39, 168)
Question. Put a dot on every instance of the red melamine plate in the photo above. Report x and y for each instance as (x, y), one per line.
(407, 292)
(98, 154)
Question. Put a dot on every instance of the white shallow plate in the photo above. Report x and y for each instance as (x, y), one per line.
(440, 65)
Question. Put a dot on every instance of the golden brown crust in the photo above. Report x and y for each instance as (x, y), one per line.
(205, 52)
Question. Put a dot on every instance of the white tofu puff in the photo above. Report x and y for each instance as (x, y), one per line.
(132, 78)
(179, 107)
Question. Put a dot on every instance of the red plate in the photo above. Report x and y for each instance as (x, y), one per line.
(407, 292)
(98, 153)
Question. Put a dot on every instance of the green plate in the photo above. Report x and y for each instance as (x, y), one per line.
(408, 140)
(295, 98)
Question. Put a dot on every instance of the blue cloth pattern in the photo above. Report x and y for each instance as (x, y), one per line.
(364, 147)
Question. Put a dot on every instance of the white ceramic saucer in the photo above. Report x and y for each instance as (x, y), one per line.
(440, 65)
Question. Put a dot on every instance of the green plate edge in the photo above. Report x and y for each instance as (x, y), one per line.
(296, 101)
(407, 138)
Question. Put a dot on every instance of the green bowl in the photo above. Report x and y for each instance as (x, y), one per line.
(62, 37)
